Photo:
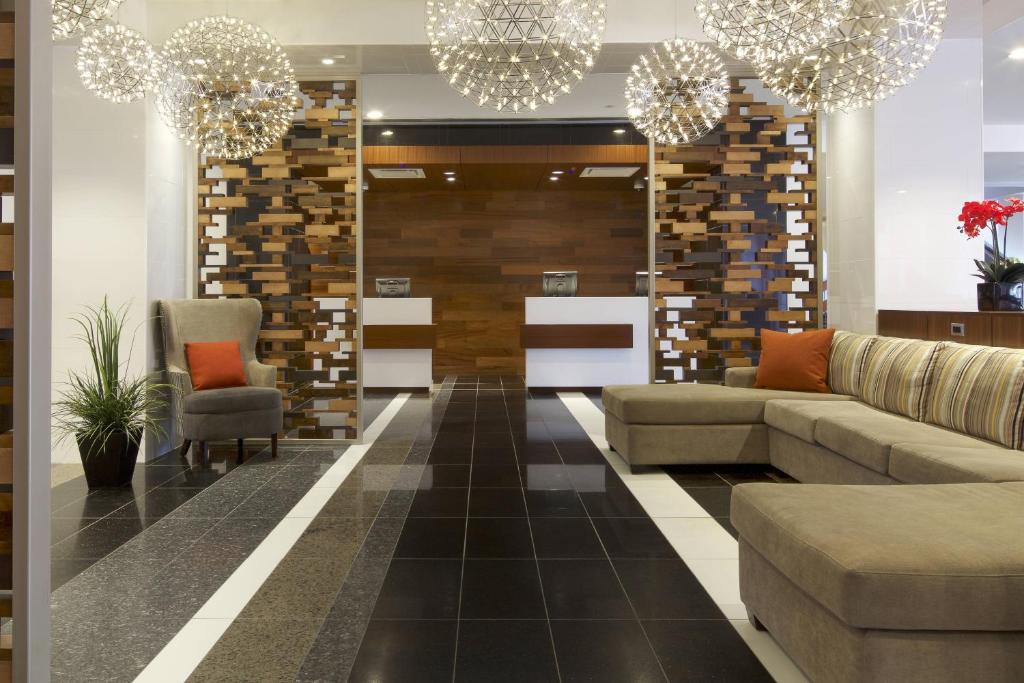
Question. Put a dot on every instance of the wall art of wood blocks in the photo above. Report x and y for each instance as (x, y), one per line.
(736, 231)
(282, 228)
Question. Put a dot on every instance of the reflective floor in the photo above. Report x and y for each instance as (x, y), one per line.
(482, 537)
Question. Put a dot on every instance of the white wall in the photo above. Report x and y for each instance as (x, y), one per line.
(120, 217)
(929, 161)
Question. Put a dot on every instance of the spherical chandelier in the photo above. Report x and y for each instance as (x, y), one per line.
(116, 63)
(877, 49)
(760, 30)
(678, 92)
(73, 16)
(227, 86)
(514, 55)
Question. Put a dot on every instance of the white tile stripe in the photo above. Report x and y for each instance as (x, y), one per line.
(710, 552)
(180, 657)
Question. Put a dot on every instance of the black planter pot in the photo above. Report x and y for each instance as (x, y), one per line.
(1000, 296)
(112, 463)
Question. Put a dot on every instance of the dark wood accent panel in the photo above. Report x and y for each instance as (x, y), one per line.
(281, 227)
(996, 328)
(904, 324)
(399, 336)
(732, 262)
(396, 155)
(480, 254)
(576, 336)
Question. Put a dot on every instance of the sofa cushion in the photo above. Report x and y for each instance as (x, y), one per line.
(866, 435)
(799, 418)
(846, 362)
(895, 557)
(795, 362)
(676, 404)
(233, 400)
(978, 390)
(913, 463)
(896, 375)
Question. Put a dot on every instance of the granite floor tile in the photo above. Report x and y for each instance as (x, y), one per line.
(583, 589)
(432, 537)
(406, 652)
(97, 540)
(283, 646)
(554, 504)
(156, 504)
(330, 537)
(598, 651)
(420, 589)
(715, 500)
(439, 503)
(445, 476)
(704, 651)
(501, 589)
(633, 537)
(497, 503)
(300, 588)
(499, 538)
(566, 538)
(353, 502)
(665, 589)
(505, 652)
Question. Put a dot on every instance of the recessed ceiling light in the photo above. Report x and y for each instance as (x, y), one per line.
(1017, 54)
(449, 172)
(375, 114)
(387, 133)
(327, 61)
(450, 179)
(557, 172)
(619, 131)
(553, 178)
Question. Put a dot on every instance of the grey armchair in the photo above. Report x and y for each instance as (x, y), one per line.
(218, 414)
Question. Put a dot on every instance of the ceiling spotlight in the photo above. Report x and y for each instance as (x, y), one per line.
(619, 131)
(450, 179)
(327, 61)
(553, 178)
(1017, 54)
(449, 173)
(557, 172)
(375, 114)
(387, 133)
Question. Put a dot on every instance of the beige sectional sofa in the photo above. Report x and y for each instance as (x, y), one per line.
(860, 582)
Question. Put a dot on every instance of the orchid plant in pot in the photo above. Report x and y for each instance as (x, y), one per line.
(1001, 287)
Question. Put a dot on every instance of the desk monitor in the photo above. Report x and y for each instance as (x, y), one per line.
(561, 283)
(394, 287)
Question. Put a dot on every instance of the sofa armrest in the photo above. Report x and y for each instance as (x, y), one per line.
(180, 381)
(261, 375)
(742, 378)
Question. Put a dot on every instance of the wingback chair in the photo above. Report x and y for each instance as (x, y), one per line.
(218, 414)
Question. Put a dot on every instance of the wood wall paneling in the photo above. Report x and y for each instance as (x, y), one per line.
(736, 232)
(997, 328)
(904, 324)
(479, 254)
(399, 336)
(282, 228)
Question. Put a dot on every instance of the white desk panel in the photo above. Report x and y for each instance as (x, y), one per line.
(398, 368)
(589, 367)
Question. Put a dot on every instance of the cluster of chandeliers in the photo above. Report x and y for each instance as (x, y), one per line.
(220, 83)
(820, 55)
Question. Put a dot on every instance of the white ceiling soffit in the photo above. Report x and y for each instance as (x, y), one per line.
(999, 13)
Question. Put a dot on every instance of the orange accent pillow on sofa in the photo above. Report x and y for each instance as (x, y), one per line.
(215, 365)
(795, 362)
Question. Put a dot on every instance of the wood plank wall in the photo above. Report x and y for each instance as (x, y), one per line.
(282, 228)
(6, 327)
(736, 240)
(479, 254)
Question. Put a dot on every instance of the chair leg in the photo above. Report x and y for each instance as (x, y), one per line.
(273, 446)
(203, 456)
(185, 446)
(241, 451)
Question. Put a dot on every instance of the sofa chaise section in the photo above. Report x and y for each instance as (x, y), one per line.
(693, 423)
(908, 583)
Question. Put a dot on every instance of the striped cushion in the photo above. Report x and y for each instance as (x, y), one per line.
(979, 390)
(846, 363)
(896, 375)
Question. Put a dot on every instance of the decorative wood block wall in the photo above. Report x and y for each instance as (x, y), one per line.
(282, 228)
(736, 240)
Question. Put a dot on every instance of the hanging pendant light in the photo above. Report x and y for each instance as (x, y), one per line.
(116, 63)
(877, 49)
(71, 17)
(514, 55)
(677, 92)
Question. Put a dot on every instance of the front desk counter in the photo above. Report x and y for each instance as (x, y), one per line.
(579, 342)
(399, 337)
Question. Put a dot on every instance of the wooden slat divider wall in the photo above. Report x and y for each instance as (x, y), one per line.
(6, 331)
(736, 240)
(282, 228)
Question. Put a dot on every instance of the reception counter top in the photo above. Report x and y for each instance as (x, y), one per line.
(586, 341)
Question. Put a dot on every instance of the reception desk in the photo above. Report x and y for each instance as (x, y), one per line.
(398, 343)
(577, 342)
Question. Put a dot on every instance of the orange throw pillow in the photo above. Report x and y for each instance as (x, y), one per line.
(215, 365)
(795, 362)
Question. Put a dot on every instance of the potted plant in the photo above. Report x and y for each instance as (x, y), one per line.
(1001, 287)
(106, 412)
